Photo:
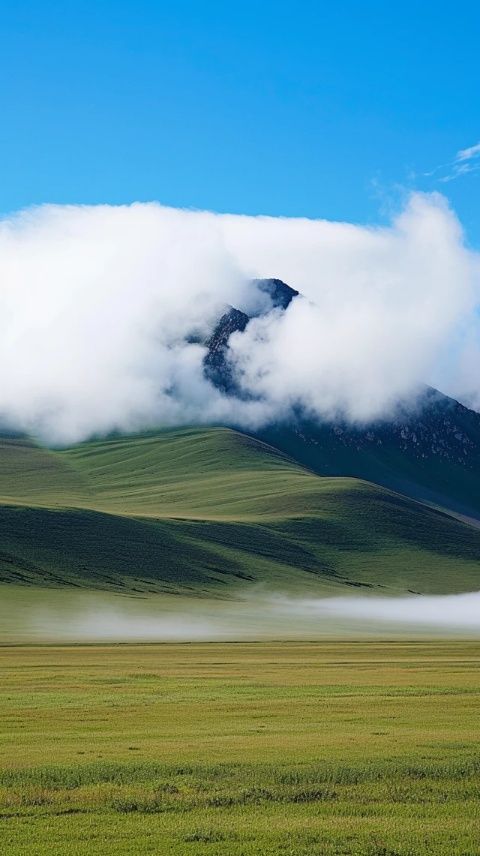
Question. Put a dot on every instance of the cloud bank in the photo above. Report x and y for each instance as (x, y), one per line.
(103, 311)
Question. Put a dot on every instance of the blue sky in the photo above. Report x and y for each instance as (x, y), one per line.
(306, 109)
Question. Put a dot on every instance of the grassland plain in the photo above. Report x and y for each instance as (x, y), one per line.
(292, 749)
(210, 512)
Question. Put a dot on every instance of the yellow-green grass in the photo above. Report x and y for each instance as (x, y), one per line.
(190, 473)
(212, 511)
(358, 749)
(32, 475)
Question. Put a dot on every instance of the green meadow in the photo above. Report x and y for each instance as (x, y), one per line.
(292, 748)
(241, 749)
(211, 513)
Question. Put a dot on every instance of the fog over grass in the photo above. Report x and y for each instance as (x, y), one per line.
(103, 311)
(56, 615)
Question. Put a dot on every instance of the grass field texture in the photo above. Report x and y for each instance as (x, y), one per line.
(299, 749)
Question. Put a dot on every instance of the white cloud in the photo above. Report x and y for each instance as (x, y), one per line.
(97, 305)
(469, 153)
(466, 161)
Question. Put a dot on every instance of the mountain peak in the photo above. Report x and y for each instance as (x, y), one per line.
(279, 292)
(233, 320)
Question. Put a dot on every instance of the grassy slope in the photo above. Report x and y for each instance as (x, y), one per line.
(440, 483)
(33, 475)
(209, 510)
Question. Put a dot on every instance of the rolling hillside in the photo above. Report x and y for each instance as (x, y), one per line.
(214, 512)
(430, 453)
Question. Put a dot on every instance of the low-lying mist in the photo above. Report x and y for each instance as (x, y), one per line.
(66, 616)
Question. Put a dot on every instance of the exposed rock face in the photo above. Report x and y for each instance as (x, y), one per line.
(217, 366)
(435, 426)
(280, 293)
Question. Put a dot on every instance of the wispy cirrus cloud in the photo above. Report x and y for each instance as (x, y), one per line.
(468, 154)
(466, 161)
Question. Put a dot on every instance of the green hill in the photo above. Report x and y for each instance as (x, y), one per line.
(211, 512)
(434, 459)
